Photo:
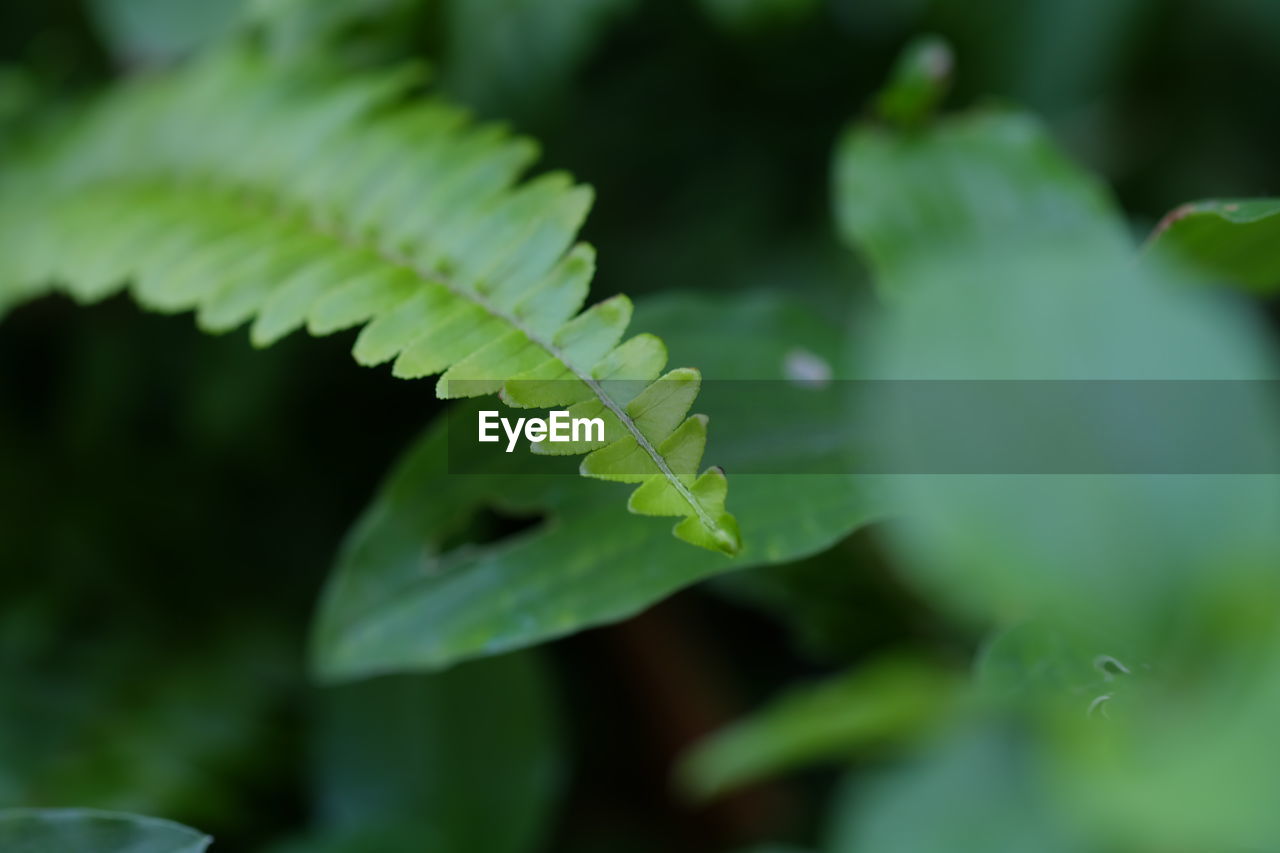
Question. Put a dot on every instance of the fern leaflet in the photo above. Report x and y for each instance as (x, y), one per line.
(251, 192)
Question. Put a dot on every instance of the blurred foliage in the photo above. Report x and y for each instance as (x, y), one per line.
(918, 84)
(516, 58)
(38, 830)
(152, 32)
(976, 793)
(171, 504)
(875, 705)
(748, 17)
(406, 762)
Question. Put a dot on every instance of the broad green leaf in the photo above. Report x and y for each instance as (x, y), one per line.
(405, 596)
(883, 703)
(92, 831)
(464, 760)
(1235, 240)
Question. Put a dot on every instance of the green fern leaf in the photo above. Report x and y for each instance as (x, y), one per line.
(249, 192)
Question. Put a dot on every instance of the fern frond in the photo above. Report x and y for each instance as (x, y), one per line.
(245, 194)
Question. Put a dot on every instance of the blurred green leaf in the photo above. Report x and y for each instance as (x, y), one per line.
(1235, 240)
(883, 703)
(1130, 550)
(918, 84)
(979, 183)
(1187, 761)
(469, 759)
(1167, 578)
(978, 792)
(1007, 263)
(121, 727)
(404, 597)
(91, 831)
(18, 92)
(1036, 663)
(158, 31)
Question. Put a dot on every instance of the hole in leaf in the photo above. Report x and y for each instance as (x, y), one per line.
(487, 524)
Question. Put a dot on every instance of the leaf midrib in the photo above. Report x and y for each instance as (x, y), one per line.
(273, 206)
(555, 352)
